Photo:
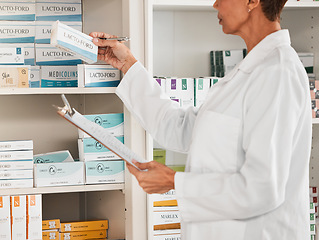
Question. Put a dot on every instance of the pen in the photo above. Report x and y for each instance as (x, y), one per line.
(120, 39)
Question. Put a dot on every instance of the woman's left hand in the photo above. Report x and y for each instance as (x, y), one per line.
(157, 179)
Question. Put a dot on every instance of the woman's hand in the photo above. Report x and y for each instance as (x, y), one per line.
(113, 52)
(158, 179)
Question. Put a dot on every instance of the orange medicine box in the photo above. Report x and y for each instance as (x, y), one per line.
(83, 235)
(50, 234)
(51, 224)
(84, 226)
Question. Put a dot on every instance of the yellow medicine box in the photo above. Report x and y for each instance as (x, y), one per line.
(165, 203)
(83, 235)
(51, 224)
(49, 235)
(84, 226)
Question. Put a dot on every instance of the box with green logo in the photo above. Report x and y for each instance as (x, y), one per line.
(104, 172)
(159, 155)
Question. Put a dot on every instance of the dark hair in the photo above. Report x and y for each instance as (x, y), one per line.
(272, 8)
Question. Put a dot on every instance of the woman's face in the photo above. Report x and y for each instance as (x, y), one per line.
(232, 14)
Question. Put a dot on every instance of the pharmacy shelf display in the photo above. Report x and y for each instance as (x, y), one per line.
(28, 114)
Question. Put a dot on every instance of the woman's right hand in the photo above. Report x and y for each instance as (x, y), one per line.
(113, 52)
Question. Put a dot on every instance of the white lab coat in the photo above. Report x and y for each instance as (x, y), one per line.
(248, 146)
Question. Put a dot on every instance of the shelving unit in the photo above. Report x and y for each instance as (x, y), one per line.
(180, 35)
(28, 114)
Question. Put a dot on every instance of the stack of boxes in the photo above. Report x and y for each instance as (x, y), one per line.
(21, 217)
(53, 229)
(102, 165)
(166, 216)
(159, 155)
(222, 62)
(313, 192)
(16, 164)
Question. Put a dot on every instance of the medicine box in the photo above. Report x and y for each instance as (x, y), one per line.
(17, 10)
(34, 217)
(28, 51)
(186, 92)
(164, 199)
(14, 76)
(51, 224)
(34, 80)
(307, 60)
(98, 76)
(226, 60)
(166, 218)
(16, 155)
(53, 157)
(170, 234)
(16, 145)
(92, 150)
(16, 183)
(16, 174)
(10, 55)
(113, 122)
(83, 235)
(52, 56)
(162, 82)
(16, 165)
(43, 30)
(202, 86)
(172, 89)
(5, 218)
(84, 226)
(104, 172)
(159, 155)
(50, 235)
(17, 32)
(58, 174)
(18, 217)
(59, 76)
(74, 41)
(58, 10)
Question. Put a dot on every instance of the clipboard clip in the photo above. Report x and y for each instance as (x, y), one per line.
(67, 107)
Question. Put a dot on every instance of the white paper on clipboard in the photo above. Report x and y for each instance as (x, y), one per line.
(98, 133)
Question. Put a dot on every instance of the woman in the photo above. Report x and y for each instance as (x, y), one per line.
(248, 145)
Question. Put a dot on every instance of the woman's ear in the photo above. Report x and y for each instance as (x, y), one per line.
(252, 4)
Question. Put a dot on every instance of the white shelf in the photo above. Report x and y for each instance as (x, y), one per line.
(70, 90)
(62, 189)
(162, 5)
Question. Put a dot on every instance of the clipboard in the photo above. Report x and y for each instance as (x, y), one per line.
(97, 132)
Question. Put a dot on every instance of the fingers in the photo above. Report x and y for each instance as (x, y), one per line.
(143, 166)
(102, 42)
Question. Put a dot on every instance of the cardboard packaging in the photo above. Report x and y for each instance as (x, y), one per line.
(16, 165)
(58, 174)
(53, 157)
(98, 76)
(307, 60)
(16, 174)
(74, 41)
(34, 217)
(27, 52)
(174, 234)
(16, 183)
(92, 150)
(5, 218)
(14, 76)
(172, 89)
(166, 218)
(51, 224)
(202, 86)
(16, 145)
(84, 226)
(51, 235)
(17, 32)
(18, 217)
(162, 82)
(104, 172)
(186, 92)
(16, 155)
(34, 81)
(159, 155)
(58, 10)
(47, 55)
(17, 10)
(83, 235)
(11, 55)
(114, 123)
(59, 76)
(43, 30)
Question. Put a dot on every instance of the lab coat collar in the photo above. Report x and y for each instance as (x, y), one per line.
(256, 56)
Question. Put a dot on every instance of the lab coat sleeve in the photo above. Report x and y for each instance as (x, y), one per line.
(168, 124)
(273, 107)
